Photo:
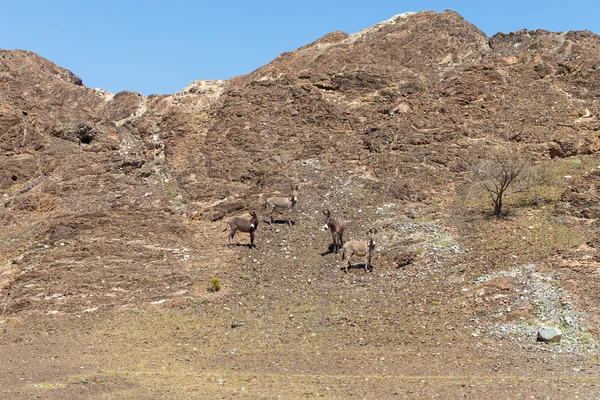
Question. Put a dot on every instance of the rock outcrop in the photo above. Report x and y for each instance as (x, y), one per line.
(403, 108)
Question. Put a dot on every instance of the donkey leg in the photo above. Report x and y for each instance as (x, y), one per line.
(232, 234)
(252, 240)
(334, 244)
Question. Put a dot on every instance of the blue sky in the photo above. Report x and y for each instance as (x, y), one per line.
(158, 47)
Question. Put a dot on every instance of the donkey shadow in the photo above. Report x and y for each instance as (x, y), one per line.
(330, 250)
(248, 245)
(358, 266)
(281, 222)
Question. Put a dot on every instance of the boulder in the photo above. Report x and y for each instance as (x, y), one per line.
(549, 334)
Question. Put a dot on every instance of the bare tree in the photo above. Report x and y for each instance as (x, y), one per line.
(497, 173)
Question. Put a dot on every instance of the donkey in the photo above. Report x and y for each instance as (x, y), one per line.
(243, 225)
(282, 203)
(337, 227)
(360, 248)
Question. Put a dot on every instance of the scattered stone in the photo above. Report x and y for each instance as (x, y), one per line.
(567, 320)
(549, 334)
(405, 258)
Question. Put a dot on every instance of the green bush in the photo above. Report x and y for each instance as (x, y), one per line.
(215, 285)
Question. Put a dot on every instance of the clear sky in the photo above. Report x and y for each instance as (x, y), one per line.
(154, 46)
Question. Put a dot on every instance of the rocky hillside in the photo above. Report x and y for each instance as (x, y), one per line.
(110, 201)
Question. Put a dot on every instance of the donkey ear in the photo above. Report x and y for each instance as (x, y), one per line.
(374, 230)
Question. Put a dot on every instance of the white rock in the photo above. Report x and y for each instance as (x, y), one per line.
(549, 334)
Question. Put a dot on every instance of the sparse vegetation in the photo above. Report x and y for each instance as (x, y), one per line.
(527, 236)
(215, 285)
(497, 173)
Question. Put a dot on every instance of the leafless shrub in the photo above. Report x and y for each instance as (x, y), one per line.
(499, 172)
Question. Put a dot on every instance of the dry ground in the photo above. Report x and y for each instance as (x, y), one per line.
(288, 323)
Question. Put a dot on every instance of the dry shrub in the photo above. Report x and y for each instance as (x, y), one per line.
(498, 172)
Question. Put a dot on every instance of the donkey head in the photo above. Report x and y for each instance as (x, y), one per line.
(294, 196)
(327, 215)
(371, 240)
(253, 220)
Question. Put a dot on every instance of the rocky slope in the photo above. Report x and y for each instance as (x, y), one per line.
(110, 201)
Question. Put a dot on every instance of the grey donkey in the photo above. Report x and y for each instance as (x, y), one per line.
(337, 227)
(243, 225)
(360, 248)
(282, 204)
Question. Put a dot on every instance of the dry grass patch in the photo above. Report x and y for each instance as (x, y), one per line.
(528, 236)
